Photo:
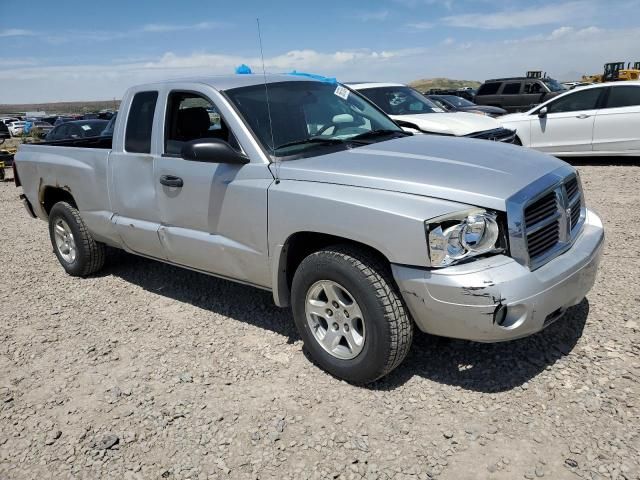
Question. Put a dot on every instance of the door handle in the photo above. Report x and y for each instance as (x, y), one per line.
(171, 181)
(582, 116)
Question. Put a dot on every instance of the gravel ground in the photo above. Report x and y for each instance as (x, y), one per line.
(149, 371)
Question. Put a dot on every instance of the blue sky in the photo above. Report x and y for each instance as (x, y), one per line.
(86, 50)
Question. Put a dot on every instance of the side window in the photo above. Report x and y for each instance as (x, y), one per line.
(511, 88)
(190, 117)
(623, 97)
(61, 132)
(489, 88)
(140, 122)
(532, 87)
(574, 102)
(74, 131)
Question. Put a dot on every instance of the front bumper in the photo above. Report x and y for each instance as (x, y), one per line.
(467, 301)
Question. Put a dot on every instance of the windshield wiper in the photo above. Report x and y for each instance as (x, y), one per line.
(380, 133)
(310, 140)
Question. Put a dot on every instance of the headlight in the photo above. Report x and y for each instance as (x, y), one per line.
(462, 236)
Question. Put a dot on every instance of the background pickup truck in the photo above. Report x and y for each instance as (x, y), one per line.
(318, 196)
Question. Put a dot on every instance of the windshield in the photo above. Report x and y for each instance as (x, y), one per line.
(307, 117)
(458, 102)
(554, 85)
(400, 100)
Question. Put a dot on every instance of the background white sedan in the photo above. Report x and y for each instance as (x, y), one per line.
(16, 128)
(597, 120)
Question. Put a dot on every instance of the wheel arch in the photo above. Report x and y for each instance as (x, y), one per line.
(50, 195)
(296, 248)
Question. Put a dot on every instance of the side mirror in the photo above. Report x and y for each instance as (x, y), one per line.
(212, 150)
(542, 112)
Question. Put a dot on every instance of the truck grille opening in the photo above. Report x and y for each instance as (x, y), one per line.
(572, 188)
(542, 225)
(574, 198)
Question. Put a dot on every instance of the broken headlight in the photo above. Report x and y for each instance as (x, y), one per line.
(459, 237)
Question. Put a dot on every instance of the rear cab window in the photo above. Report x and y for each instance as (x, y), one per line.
(140, 122)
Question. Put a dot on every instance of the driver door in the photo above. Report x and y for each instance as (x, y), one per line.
(568, 124)
(213, 215)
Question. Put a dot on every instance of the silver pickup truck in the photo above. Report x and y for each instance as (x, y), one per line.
(304, 188)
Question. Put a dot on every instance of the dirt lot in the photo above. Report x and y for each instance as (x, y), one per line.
(149, 371)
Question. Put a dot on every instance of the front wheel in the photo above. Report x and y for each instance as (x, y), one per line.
(77, 251)
(349, 314)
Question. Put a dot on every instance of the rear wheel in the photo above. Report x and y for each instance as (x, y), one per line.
(77, 251)
(351, 318)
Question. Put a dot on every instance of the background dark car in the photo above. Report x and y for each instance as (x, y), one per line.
(4, 133)
(108, 130)
(517, 94)
(453, 103)
(40, 128)
(467, 94)
(62, 119)
(77, 129)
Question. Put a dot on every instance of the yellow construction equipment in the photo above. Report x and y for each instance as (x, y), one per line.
(630, 73)
(615, 72)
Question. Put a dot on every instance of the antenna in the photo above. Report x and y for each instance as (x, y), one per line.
(266, 91)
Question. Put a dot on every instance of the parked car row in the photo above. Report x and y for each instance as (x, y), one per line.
(415, 112)
(42, 126)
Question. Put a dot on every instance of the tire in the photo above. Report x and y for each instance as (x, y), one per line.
(385, 327)
(89, 254)
(517, 141)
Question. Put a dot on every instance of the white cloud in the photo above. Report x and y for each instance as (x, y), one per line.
(376, 16)
(163, 28)
(420, 25)
(448, 4)
(16, 32)
(535, 16)
(66, 36)
(557, 51)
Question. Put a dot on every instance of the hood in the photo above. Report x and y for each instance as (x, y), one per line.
(473, 172)
(452, 123)
(516, 117)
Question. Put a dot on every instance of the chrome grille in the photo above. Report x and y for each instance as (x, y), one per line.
(545, 217)
(541, 220)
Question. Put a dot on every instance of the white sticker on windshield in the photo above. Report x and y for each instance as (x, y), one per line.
(342, 92)
(86, 127)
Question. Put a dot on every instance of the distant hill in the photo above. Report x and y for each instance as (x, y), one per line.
(61, 107)
(446, 83)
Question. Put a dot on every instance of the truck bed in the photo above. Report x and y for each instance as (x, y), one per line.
(91, 142)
